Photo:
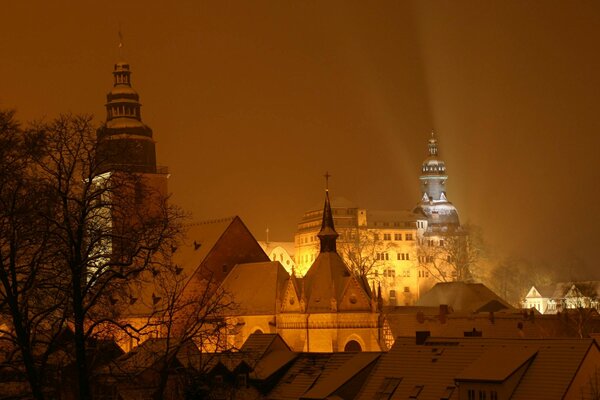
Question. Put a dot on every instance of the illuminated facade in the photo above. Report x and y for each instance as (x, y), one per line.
(281, 251)
(391, 243)
(327, 310)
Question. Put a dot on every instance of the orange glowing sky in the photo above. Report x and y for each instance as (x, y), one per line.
(250, 103)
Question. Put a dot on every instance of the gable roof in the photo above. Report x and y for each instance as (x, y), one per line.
(462, 296)
(542, 291)
(338, 372)
(151, 352)
(319, 375)
(256, 288)
(204, 248)
(198, 241)
(327, 279)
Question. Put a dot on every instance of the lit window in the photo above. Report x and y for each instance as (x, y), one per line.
(387, 236)
(409, 236)
(406, 289)
(397, 236)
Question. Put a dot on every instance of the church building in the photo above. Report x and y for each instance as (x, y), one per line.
(329, 309)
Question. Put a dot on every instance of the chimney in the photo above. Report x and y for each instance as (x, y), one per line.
(421, 337)
(444, 309)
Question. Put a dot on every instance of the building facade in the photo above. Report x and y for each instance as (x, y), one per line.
(329, 309)
(400, 251)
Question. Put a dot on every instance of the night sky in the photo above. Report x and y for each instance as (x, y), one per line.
(251, 102)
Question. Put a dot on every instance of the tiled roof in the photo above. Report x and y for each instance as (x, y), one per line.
(319, 375)
(338, 371)
(461, 296)
(497, 325)
(437, 363)
(256, 287)
(300, 376)
(199, 240)
(497, 363)
(328, 278)
(149, 353)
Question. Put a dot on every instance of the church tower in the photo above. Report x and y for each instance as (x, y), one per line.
(126, 154)
(442, 216)
(124, 142)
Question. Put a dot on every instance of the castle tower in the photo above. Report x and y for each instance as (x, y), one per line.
(442, 216)
(433, 173)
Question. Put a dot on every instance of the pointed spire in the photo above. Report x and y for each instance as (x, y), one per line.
(327, 235)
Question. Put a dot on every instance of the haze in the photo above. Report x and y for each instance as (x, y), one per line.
(251, 102)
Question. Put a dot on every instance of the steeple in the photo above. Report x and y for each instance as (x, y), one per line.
(125, 142)
(327, 235)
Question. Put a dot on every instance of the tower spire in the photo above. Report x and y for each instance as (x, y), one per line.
(327, 235)
(120, 43)
(433, 147)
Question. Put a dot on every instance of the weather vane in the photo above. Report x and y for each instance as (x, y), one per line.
(120, 42)
(327, 176)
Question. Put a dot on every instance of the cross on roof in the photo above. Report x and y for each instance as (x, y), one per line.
(327, 176)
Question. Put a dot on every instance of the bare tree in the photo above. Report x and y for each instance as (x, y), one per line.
(512, 278)
(452, 257)
(580, 306)
(193, 308)
(364, 251)
(31, 306)
(100, 235)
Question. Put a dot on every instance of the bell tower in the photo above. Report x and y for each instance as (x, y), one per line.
(125, 143)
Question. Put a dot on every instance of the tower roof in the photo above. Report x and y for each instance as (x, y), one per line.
(125, 142)
(433, 165)
(328, 278)
(441, 214)
(327, 235)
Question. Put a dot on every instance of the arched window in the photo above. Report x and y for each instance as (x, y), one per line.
(352, 345)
